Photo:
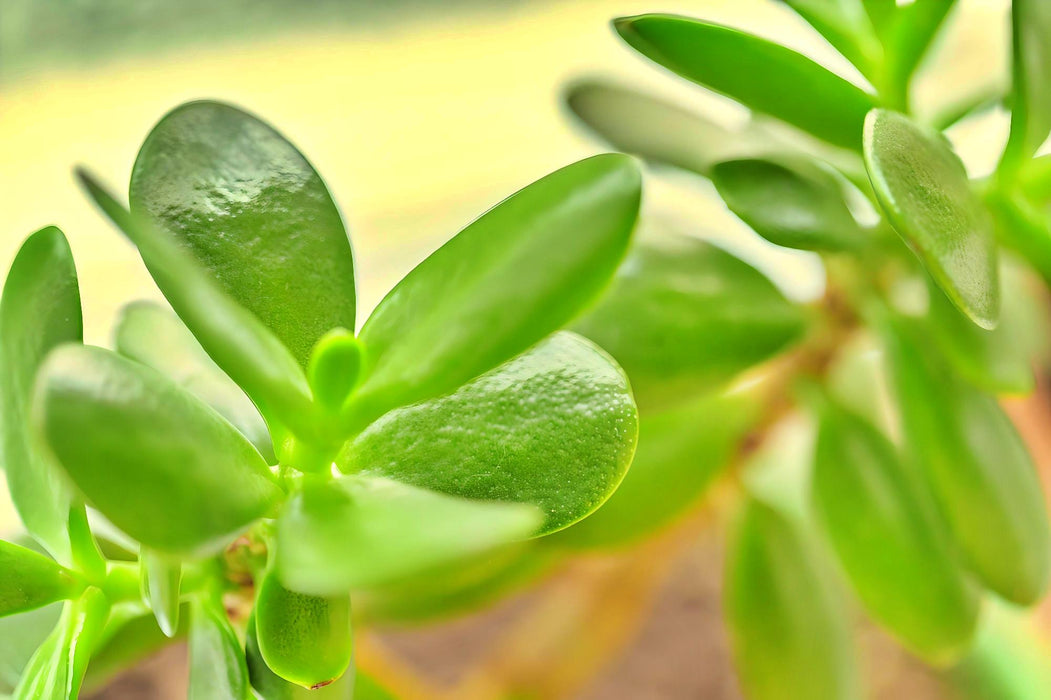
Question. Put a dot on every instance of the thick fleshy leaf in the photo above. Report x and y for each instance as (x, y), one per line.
(791, 204)
(518, 273)
(31, 580)
(161, 581)
(846, 27)
(360, 533)
(269, 686)
(304, 639)
(1031, 72)
(906, 38)
(40, 309)
(883, 524)
(130, 638)
(156, 461)
(335, 367)
(156, 337)
(684, 316)
(790, 632)
(923, 189)
(555, 427)
(217, 661)
(760, 74)
(978, 467)
(255, 213)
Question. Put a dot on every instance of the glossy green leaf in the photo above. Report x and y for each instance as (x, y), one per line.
(846, 27)
(254, 213)
(789, 632)
(554, 427)
(40, 309)
(1031, 72)
(978, 467)
(518, 273)
(360, 533)
(161, 581)
(217, 661)
(31, 580)
(923, 189)
(335, 366)
(156, 461)
(760, 74)
(269, 686)
(304, 639)
(884, 527)
(795, 205)
(156, 337)
(671, 298)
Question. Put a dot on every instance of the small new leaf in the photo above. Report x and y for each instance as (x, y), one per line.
(31, 580)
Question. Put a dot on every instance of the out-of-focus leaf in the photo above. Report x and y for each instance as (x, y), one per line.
(31, 580)
(269, 686)
(304, 639)
(254, 213)
(518, 273)
(1031, 72)
(1024, 227)
(978, 467)
(161, 581)
(359, 533)
(884, 527)
(684, 316)
(217, 661)
(907, 39)
(155, 460)
(130, 637)
(368, 688)
(789, 631)
(335, 366)
(846, 27)
(795, 205)
(20, 636)
(923, 189)
(40, 309)
(760, 74)
(154, 336)
(554, 427)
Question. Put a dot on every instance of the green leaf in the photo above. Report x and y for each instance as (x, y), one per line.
(361, 533)
(217, 661)
(254, 213)
(763, 76)
(155, 337)
(791, 204)
(846, 27)
(518, 273)
(554, 427)
(334, 369)
(270, 686)
(884, 527)
(40, 309)
(670, 298)
(789, 631)
(161, 581)
(304, 639)
(20, 636)
(1031, 72)
(156, 461)
(923, 189)
(32, 580)
(131, 636)
(906, 38)
(978, 467)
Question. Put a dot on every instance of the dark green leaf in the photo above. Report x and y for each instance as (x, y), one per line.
(760, 74)
(846, 27)
(161, 580)
(923, 189)
(254, 213)
(217, 661)
(270, 686)
(31, 580)
(156, 461)
(1031, 72)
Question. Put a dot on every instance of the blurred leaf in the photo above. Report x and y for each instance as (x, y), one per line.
(760, 74)
(304, 639)
(254, 213)
(40, 309)
(31, 580)
(923, 189)
(1024, 227)
(360, 533)
(967, 106)
(791, 204)
(672, 296)
(554, 427)
(20, 636)
(907, 39)
(846, 27)
(519, 272)
(157, 462)
(1031, 72)
(217, 661)
(161, 580)
(155, 337)
(978, 467)
(335, 365)
(791, 638)
(270, 686)
(884, 528)
(130, 637)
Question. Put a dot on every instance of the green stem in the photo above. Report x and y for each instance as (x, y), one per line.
(87, 558)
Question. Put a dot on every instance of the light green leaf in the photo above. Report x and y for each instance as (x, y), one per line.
(670, 298)
(31, 580)
(360, 533)
(156, 461)
(335, 367)
(254, 213)
(906, 39)
(20, 636)
(923, 189)
(161, 581)
(217, 661)
(518, 273)
(845, 26)
(1031, 72)
(270, 686)
(554, 427)
(760, 74)
(131, 637)
(40, 309)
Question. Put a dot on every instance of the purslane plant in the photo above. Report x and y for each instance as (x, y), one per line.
(253, 461)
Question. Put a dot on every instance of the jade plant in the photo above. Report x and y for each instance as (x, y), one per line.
(239, 467)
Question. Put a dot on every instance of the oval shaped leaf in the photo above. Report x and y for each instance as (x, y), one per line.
(156, 461)
(760, 74)
(555, 427)
(254, 213)
(161, 581)
(270, 686)
(40, 309)
(31, 580)
(518, 273)
(923, 189)
(217, 662)
(1031, 71)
